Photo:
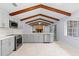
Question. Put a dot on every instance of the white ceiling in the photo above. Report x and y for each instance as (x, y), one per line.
(68, 7)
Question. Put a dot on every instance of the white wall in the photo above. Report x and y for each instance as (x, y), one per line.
(62, 31)
(5, 18)
(26, 28)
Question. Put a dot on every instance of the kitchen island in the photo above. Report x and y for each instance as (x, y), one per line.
(38, 38)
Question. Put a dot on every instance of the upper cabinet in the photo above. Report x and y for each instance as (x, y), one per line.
(4, 18)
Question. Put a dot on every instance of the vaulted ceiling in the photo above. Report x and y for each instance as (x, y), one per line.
(40, 6)
(34, 13)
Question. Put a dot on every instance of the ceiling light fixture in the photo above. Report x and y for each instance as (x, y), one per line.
(39, 23)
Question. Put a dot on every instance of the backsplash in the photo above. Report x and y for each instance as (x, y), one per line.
(7, 31)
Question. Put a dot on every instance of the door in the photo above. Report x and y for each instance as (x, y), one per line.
(55, 33)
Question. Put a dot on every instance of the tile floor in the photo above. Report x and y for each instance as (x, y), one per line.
(41, 49)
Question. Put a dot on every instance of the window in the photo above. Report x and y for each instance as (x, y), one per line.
(73, 28)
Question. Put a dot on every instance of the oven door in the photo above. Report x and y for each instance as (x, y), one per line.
(18, 42)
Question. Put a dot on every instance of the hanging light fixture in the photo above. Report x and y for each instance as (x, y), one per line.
(39, 23)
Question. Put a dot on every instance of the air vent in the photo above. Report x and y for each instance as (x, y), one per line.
(14, 4)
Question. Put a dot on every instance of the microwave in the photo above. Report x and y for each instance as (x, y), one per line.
(13, 24)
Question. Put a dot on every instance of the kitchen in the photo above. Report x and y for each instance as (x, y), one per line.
(40, 25)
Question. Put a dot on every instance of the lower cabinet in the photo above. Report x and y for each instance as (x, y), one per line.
(27, 38)
(7, 46)
(51, 37)
(40, 38)
(37, 38)
(33, 38)
(0, 47)
(46, 38)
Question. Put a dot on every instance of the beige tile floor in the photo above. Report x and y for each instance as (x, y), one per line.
(41, 49)
(70, 49)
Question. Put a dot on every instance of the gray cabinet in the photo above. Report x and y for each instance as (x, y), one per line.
(52, 37)
(37, 38)
(7, 46)
(0, 47)
(46, 38)
(40, 38)
(11, 44)
(28, 38)
(4, 19)
(32, 38)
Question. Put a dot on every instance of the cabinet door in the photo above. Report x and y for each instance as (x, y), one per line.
(0, 48)
(35, 39)
(30, 38)
(40, 38)
(51, 37)
(25, 38)
(46, 38)
(11, 44)
(4, 19)
(5, 47)
(1, 19)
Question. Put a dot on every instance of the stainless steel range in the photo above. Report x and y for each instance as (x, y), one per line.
(18, 42)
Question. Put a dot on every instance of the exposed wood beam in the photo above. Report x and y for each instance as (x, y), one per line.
(40, 19)
(53, 18)
(45, 20)
(49, 17)
(40, 6)
(56, 10)
(36, 23)
(24, 10)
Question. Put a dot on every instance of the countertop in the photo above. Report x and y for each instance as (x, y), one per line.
(35, 33)
(4, 37)
(7, 36)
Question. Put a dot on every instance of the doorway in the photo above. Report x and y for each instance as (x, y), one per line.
(55, 33)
